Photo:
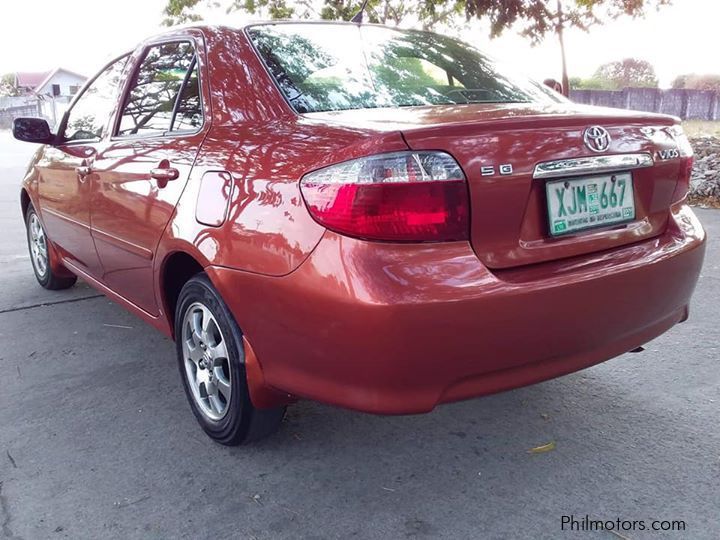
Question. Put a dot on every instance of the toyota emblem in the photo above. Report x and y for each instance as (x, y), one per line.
(597, 138)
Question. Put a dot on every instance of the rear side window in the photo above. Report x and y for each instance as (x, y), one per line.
(188, 114)
(91, 112)
(165, 93)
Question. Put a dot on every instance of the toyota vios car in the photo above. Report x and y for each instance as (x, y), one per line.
(378, 219)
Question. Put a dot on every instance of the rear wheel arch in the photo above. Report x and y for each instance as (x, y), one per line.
(211, 357)
(177, 270)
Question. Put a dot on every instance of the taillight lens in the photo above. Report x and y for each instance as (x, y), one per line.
(400, 196)
(686, 164)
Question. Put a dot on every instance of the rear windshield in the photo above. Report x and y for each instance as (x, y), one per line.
(327, 67)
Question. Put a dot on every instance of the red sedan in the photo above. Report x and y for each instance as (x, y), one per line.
(378, 219)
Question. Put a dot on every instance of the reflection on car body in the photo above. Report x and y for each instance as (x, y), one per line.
(374, 218)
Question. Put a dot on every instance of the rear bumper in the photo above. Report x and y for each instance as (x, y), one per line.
(401, 328)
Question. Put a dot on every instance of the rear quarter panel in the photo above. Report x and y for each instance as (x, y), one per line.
(268, 229)
(264, 148)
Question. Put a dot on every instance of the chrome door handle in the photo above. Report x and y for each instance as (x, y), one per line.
(164, 174)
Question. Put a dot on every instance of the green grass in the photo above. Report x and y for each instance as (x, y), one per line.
(698, 128)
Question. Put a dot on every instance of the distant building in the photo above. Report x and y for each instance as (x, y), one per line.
(27, 82)
(60, 82)
(49, 92)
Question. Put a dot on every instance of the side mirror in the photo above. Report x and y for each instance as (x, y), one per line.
(34, 130)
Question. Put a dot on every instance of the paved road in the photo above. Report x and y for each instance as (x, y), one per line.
(96, 439)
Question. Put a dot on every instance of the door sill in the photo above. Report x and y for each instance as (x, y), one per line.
(160, 323)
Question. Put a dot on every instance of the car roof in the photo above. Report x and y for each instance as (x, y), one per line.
(261, 22)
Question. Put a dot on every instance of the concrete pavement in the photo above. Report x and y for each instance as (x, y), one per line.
(97, 440)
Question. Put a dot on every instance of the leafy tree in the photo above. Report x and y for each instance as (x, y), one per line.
(576, 82)
(628, 72)
(694, 81)
(703, 82)
(539, 18)
(536, 19)
(7, 85)
(679, 81)
(180, 11)
(270, 9)
(427, 12)
(388, 11)
(593, 83)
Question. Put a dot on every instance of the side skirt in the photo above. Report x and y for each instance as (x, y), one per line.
(159, 322)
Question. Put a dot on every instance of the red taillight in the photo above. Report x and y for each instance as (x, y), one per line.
(402, 197)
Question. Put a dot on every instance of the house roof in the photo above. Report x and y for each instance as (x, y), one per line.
(36, 80)
(30, 79)
(52, 73)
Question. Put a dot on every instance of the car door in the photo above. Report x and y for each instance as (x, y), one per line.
(65, 179)
(142, 172)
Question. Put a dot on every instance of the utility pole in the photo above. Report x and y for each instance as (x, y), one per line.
(560, 24)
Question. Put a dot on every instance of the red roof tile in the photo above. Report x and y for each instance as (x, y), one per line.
(29, 79)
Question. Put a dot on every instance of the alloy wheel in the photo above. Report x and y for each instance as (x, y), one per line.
(38, 246)
(207, 366)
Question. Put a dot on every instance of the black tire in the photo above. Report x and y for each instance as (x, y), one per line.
(47, 278)
(241, 422)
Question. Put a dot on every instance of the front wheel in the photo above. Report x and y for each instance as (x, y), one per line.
(41, 254)
(212, 366)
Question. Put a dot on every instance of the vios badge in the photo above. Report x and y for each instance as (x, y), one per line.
(669, 153)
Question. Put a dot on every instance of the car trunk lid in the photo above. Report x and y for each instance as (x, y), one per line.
(509, 216)
(500, 153)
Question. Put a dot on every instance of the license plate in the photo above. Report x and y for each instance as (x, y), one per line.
(575, 204)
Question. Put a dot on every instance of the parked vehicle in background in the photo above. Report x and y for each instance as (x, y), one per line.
(374, 218)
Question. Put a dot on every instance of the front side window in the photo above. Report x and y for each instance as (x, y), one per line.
(91, 112)
(166, 72)
(334, 67)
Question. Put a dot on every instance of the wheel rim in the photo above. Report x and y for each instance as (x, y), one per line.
(206, 361)
(38, 246)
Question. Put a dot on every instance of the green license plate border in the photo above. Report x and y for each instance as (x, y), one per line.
(551, 181)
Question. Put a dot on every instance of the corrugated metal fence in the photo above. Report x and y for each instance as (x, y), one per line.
(687, 104)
